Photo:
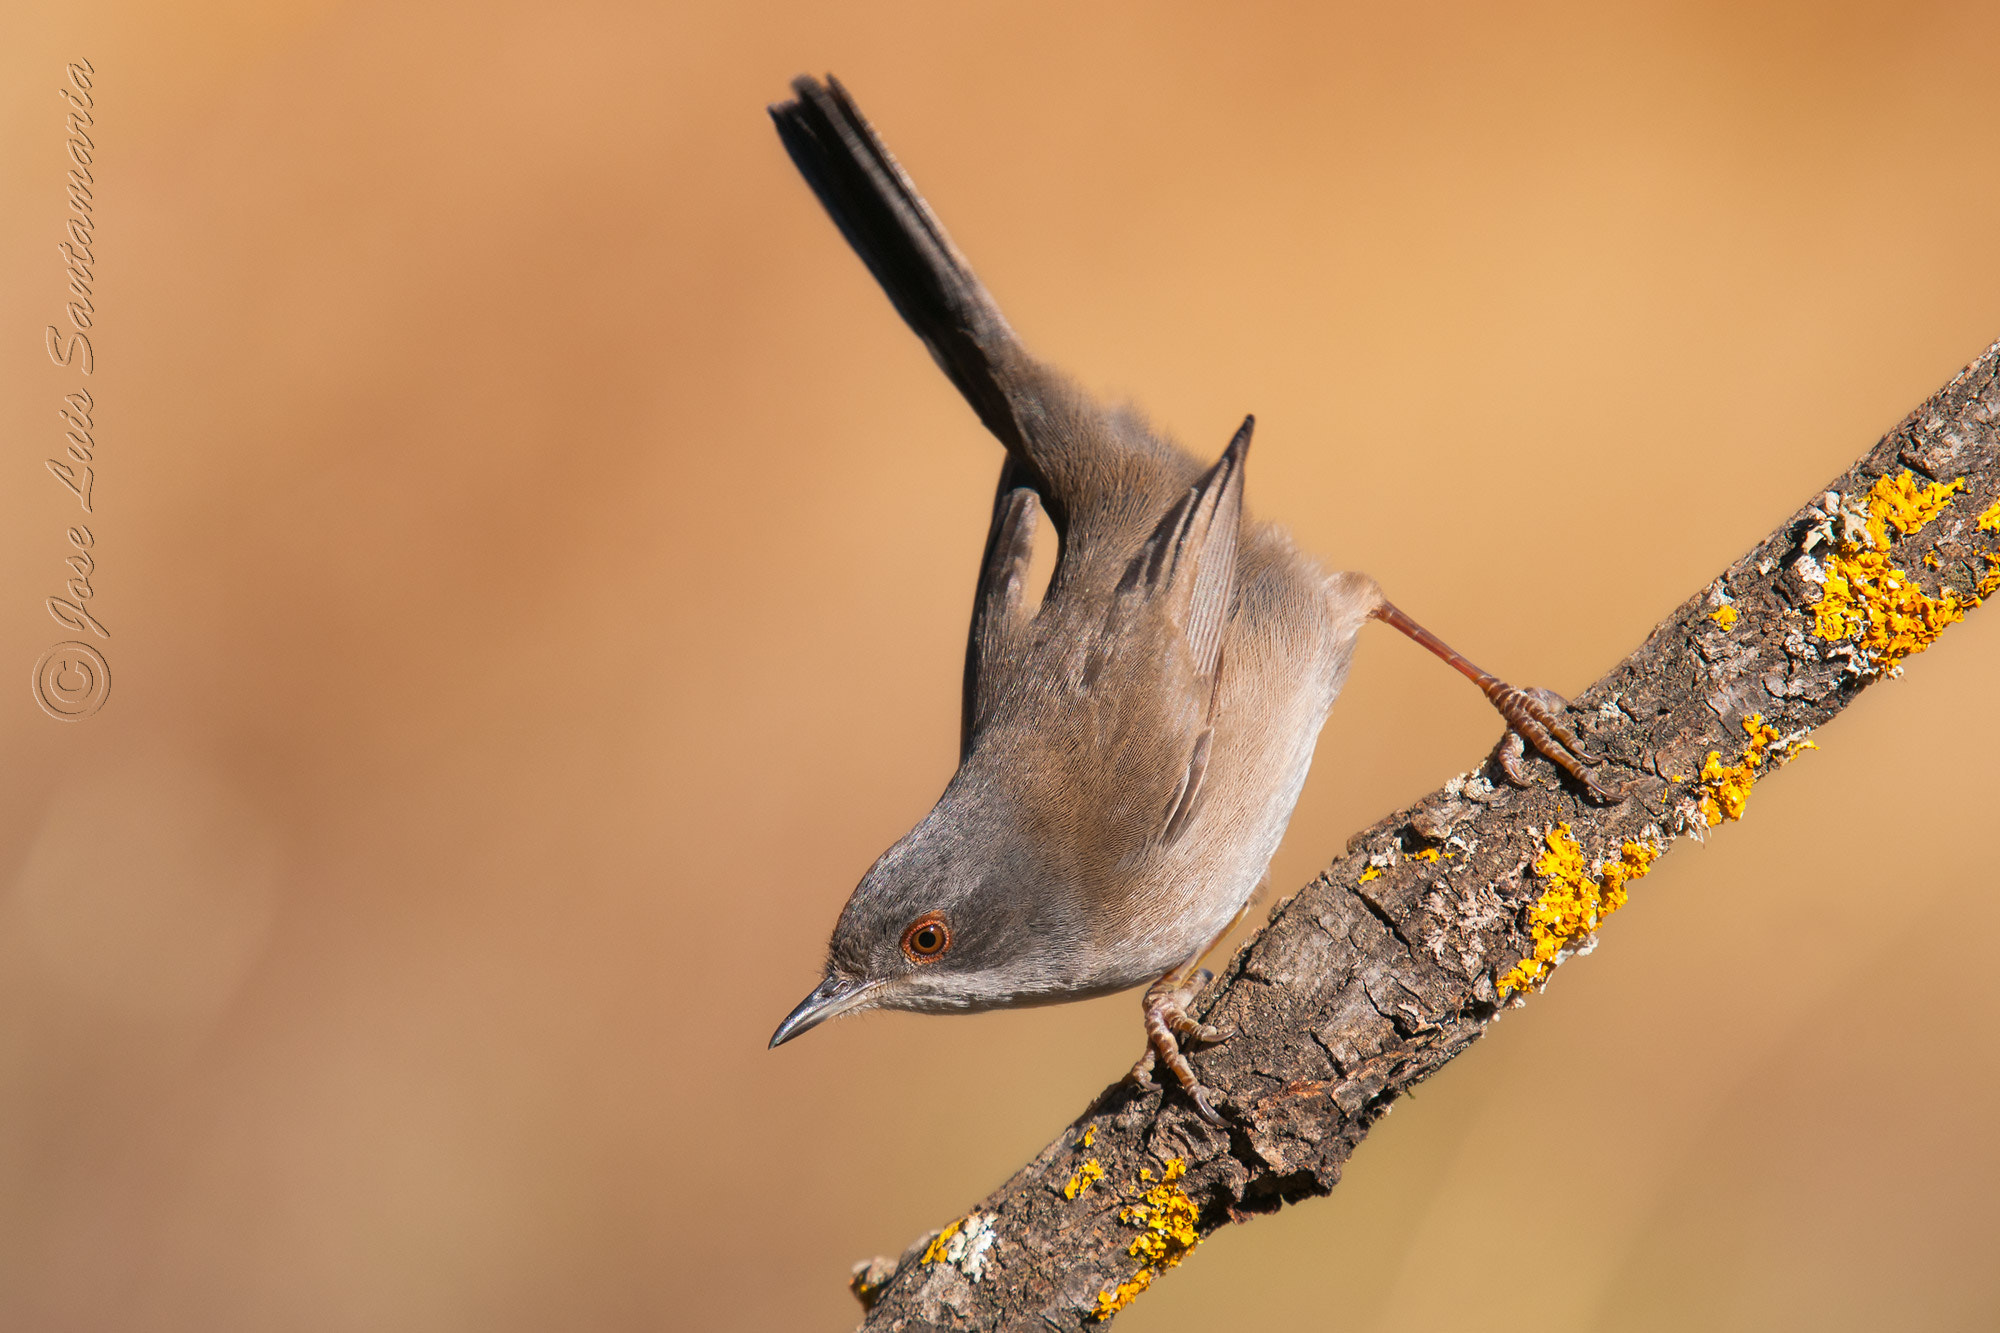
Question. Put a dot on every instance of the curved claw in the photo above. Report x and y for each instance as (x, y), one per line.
(1140, 1075)
(1532, 717)
(1509, 753)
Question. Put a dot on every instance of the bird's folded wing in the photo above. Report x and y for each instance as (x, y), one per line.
(997, 613)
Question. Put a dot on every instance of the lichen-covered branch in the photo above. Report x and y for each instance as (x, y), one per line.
(1396, 957)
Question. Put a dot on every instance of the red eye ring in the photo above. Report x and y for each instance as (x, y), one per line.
(928, 939)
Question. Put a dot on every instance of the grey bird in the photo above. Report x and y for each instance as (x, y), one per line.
(1131, 751)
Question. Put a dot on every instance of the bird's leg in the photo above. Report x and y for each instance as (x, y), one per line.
(1531, 715)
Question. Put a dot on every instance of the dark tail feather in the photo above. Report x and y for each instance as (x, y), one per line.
(900, 239)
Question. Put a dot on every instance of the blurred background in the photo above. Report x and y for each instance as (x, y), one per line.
(537, 559)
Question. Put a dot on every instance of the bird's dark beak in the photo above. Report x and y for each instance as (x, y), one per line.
(836, 995)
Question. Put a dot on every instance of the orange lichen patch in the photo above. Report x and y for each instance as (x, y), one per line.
(1724, 616)
(1866, 598)
(1725, 788)
(1089, 1136)
(1575, 903)
(1432, 854)
(1086, 1175)
(1634, 860)
(1989, 519)
(936, 1249)
(966, 1244)
(1869, 600)
(1906, 506)
(870, 1276)
(1169, 1219)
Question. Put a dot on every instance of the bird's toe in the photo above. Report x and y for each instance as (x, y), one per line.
(1534, 717)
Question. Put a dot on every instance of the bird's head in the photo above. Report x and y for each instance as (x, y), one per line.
(961, 914)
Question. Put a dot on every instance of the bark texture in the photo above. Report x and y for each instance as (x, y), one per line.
(1395, 958)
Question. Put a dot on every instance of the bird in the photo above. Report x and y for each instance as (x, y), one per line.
(1132, 748)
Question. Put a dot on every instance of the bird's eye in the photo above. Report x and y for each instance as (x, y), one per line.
(927, 939)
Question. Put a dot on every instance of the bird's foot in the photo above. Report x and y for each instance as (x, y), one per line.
(1534, 717)
(1167, 1022)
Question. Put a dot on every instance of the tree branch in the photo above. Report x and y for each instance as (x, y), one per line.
(1395, 958)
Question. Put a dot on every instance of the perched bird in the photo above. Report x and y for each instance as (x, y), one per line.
(1130, 752)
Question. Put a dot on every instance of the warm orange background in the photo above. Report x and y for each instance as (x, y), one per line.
(537, 561)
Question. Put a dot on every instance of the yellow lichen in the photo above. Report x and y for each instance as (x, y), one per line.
(868, 1280)
(936, 1249)
(1432, 854)
(1169, 1219)
(1907, 506)
(1634, 860)
(1724, 616)
(1989, 519)
(1725, 788)
(1372, 872)
(1866, 598)
(1089, 1136)
(1086, 1175)
(1574, 904)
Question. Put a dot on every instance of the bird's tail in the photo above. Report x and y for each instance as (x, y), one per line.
(894, 231)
